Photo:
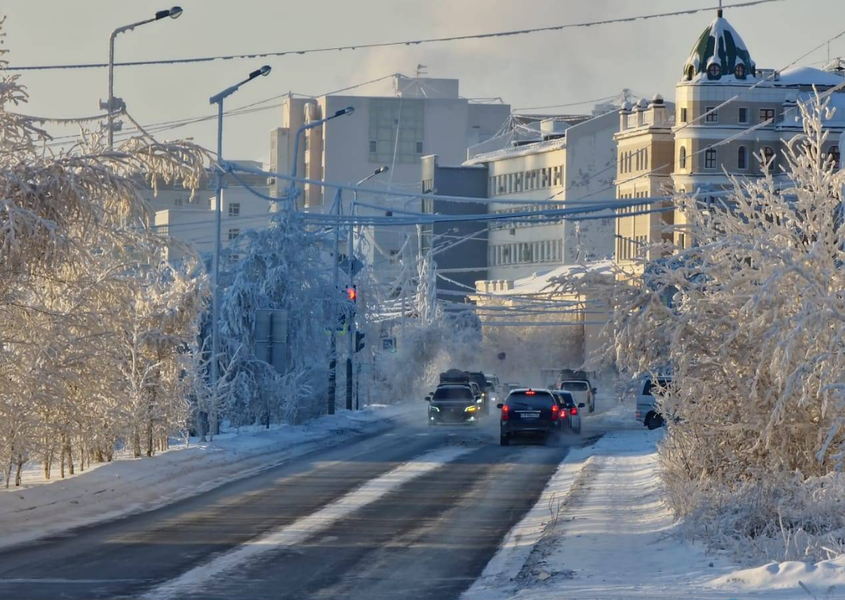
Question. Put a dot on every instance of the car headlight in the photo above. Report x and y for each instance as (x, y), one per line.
(471, 409)
(433, 409)
(479, 401)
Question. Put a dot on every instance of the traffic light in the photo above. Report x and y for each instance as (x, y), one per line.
(352, 293)
(359, 341)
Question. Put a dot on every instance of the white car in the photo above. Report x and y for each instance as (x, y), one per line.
(647, 411)
(581, 391)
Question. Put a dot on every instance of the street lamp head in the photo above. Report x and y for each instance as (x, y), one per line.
(345, 111)
(265, 70)
(173, 13)
(381, 170)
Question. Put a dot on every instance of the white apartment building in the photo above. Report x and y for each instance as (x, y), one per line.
(575, 161)
(424, 116)
(191, 221)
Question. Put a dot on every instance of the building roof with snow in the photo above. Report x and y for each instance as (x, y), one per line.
(720, 55)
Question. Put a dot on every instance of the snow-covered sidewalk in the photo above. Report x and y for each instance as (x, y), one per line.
(41, 508)
(601, 530)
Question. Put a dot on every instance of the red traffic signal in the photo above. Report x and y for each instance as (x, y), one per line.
(352, 294)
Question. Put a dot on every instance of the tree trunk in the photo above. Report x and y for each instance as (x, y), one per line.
(136, 444)
(18, 479)
(69, 459)
(98, 455)
(48, 464)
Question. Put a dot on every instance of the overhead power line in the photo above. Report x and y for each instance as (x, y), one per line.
(437, 40)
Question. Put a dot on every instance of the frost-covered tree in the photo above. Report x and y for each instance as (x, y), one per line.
(286, 266)
(90, 313)
(752, 320)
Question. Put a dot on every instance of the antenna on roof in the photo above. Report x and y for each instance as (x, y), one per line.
(422, 70)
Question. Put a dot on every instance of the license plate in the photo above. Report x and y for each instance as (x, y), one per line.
(529, 415)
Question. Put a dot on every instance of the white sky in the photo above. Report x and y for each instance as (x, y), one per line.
(535, 70)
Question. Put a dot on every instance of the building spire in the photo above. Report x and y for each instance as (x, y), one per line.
(719, 12)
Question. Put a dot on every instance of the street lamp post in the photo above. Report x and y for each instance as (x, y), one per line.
(112, 103)
(218, 193)
(292, 189)
(350, 347)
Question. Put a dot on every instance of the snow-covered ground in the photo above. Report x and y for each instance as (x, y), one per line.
(40, 508)
(602, 530)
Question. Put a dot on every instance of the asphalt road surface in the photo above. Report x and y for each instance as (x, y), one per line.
(421, 527)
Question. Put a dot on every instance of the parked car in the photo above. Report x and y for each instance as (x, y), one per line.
(452, 404)
(647, 410)
(570, 413)
(582, 391)
(528, 412)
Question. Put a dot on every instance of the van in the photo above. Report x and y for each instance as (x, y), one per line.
(647, 410)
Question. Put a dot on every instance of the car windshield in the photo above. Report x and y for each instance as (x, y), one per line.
(453, 393)
(537, 400)
(660, 384)
(574, 386)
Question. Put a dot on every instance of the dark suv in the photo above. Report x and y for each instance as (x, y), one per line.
(453, 404)
(529, 412)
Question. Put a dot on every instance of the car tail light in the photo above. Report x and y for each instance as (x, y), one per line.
(573, 411)
(530, 393)
(555, 412)
(505, 413)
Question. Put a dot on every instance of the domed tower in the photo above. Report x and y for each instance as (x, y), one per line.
(713, 104)
(719, 55)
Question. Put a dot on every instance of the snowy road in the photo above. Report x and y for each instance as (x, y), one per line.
(415, 509)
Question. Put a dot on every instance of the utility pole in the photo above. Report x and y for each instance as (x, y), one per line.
(350, 252)
(335, 312)
(215, 260)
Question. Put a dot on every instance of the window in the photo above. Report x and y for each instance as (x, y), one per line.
(234, 209)
(740, 71)
(682, 158)
(682, 240)
(233, 233)
(690, 73)
(683, 115)
(834, 156)
(710, 159)
(767, 114)
(714, 71)
(712, 114)
(373, 147)
(768, 159)
(305, 144)
(419, 147)
(743, 115)
(742, 158)
(177, 201)
(645, 158)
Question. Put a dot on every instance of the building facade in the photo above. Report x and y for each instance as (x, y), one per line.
(574, 162)
(424, 116)
(190, 222)
(460, 246)
(732, 120)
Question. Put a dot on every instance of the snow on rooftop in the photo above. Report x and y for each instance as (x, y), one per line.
(536, 283)
(809, 76)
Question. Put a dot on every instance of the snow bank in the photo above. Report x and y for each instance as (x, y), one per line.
(40, 508)
(792, 574)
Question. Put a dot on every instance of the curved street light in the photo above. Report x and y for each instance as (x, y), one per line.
(112, 104)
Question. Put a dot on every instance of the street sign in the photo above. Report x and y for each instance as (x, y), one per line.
(388, 344)
(271, 337)
(351, 267)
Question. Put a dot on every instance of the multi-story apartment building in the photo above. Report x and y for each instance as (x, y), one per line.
(190, 221)
(424, 116)
(574, 162)
(713, 143)
(645, 151)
